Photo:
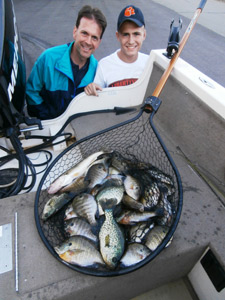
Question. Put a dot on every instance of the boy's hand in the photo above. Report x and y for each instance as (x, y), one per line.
(92, 88)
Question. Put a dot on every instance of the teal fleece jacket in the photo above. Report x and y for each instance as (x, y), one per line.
(50, 86)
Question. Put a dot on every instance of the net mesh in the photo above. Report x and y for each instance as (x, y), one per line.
(135, 140)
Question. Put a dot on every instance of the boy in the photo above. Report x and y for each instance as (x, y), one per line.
(124, 66)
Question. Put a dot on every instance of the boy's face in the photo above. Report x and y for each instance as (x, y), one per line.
(130, 37)
(87, 38)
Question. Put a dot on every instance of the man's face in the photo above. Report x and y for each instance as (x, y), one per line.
(87, 38)
(130, 37)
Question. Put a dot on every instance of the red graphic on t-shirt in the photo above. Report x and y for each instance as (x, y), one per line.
(123, 82)
(129, 11)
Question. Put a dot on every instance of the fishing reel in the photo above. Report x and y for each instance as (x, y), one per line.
(174, 39)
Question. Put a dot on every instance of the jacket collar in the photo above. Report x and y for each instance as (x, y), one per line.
(64, 66)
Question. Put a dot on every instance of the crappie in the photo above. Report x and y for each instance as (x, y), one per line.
(132, 187)
(109, 181)
(77, 226)
(109, 192)
(55, 204)
(155, 237)
(134, 254)
(96, 174)
(129, 217)
(131, 203)
(167, 217)
(138, 232)
(160, 176)
(150, 196)
(110, 236)
(81, 252)
(85, 206)
(69, 176)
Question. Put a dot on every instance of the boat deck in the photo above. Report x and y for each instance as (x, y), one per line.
(41, 276)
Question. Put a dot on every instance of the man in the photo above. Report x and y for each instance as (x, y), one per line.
(124, 66)
(62, 72)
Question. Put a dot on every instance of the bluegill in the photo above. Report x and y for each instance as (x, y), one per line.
(119, 162)
(129, 217)
(54, 204)
(156, 236)
(96, 174)
(78, 226)
(134, 254)
(69, 213)
(85, 206)
(79, 251)
(131, 203)
(68, 244)
(104, 159)
(73, 173)
(111, 237)
(132, 187)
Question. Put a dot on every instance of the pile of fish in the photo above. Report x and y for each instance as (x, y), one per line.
(117, 211)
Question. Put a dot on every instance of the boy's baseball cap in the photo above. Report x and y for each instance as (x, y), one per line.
(131, 13)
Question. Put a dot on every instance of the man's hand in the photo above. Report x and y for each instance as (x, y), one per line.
(92, 88)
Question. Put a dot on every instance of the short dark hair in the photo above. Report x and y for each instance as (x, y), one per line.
(92, 13)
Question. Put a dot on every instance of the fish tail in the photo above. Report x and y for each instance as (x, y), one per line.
(108, 203)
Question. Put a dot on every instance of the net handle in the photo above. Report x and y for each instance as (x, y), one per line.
(175, 56)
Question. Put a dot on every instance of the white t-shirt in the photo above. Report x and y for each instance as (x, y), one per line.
(112, 71)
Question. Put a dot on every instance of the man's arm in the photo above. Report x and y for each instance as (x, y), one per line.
(36, 106)
(98, 84)
(92, 88)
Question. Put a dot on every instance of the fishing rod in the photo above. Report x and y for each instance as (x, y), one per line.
(174, 57)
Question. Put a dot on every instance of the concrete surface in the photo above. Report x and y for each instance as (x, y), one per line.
(212, 16)
(41, 276)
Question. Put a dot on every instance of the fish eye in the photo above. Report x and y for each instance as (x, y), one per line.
(114, 260)
(70, 244)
